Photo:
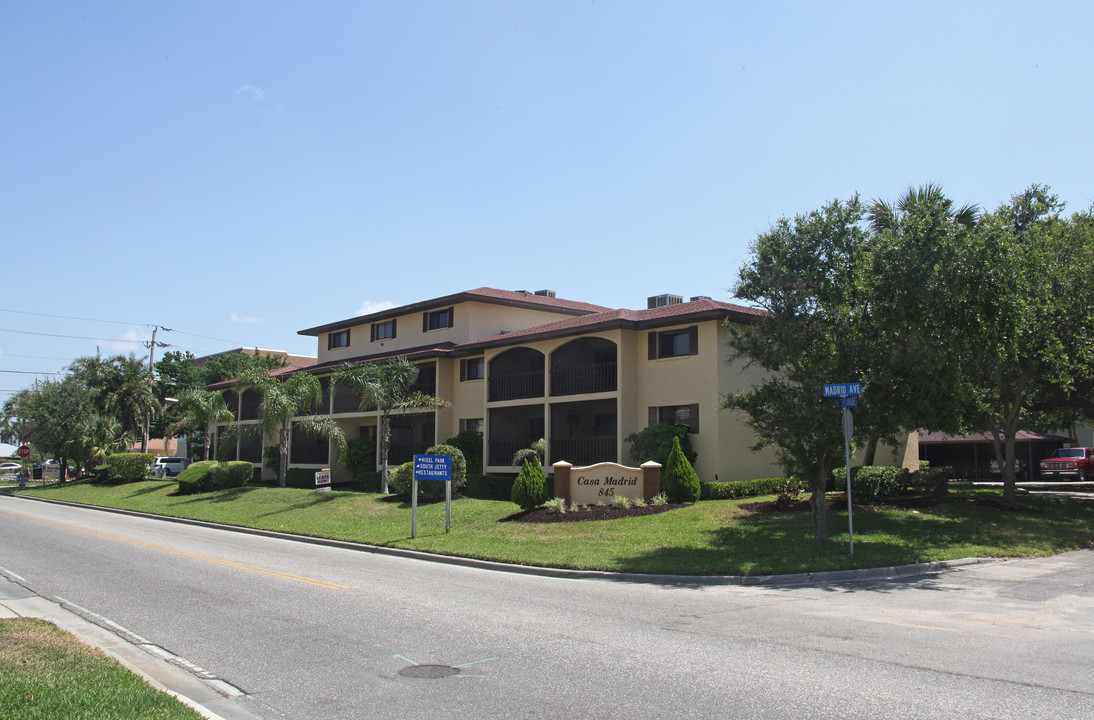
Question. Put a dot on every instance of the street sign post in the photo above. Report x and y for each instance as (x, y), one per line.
(431, 467)
(846, 395)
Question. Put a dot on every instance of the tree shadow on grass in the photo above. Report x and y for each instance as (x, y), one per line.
(765, 544)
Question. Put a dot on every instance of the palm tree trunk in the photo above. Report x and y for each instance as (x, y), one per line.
(283, 467)
(385, 443)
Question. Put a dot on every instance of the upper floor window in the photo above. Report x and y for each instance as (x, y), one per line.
(437, 319)
(338, 339)
(687, 415)
(674, 343)
(472, 424)
(383, 330)
(472, 369)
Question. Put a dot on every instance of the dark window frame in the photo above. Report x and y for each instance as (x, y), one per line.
(663, 343)
(472, 369)
(438, 319)
(378, 328)
(662, 413)
(334, 339)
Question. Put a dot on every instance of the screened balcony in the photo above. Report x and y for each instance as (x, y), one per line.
(516, 374)
(585, 365)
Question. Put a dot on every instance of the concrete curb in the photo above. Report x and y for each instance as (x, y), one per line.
(896, 572)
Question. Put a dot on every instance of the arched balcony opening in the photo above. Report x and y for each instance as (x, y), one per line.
(582, 366)
(516, 374)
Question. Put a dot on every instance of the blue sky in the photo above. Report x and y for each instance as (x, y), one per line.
(238, 171)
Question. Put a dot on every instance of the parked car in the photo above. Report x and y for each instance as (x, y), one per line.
(10, 467)
(1021, 469)
(168, 466)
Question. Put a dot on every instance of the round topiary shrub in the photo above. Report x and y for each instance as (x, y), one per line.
(434, 489)
(399, 479)
(530, 487)
(678, 478)
(195, 478)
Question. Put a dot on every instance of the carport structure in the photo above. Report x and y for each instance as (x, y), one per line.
(971, 455)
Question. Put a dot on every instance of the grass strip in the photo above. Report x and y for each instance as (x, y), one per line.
(46, 672)
(712, 537)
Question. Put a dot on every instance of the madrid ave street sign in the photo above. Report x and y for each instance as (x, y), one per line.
(842, 389)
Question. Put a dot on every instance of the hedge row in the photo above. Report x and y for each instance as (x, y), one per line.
(209, 475)
(868, 484)
(740, 488)
(128, 467)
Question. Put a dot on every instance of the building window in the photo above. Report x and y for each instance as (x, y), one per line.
(383, 330)
(472, 424)
(472, 369)
(437, 319)
(676, 415)
(338, 339)
(674, 343)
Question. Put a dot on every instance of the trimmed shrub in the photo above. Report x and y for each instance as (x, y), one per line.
(656, 442)
(130, 467)
(360, 457)
(530, 487)
(871, 483)
(234, 473)
(740, 488)
(101, 473)
(678, 478)
(933, 480)
(489, 487)
(469, 443)
(194, 478)
(399, 479)
(459, 471)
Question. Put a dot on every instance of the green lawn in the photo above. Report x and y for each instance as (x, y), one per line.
(47, 673)
(716, 537)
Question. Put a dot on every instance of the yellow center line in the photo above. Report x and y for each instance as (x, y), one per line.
(184, 553)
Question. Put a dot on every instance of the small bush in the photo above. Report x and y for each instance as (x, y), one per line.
(639, 502)
(530, 487)
(400, 478)
(655, 443)
(489, 487)
(556, 505)
(621, 502)
(741, 488)
(129, 467)
(659, 499)
(470, 444)
(789, 492)
(678, 479)
(360, 457)
(871, 483)
(933, 480)
(234, 473)
(195, 478)
(101, 473)
(459, 470)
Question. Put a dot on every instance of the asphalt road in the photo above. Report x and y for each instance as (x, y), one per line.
(314, 632)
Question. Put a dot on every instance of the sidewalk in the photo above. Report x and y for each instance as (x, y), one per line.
(213, 698)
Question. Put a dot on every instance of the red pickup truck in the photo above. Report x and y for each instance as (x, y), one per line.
(1073, 463)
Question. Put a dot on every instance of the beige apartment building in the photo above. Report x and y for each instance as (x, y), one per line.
(520, 366)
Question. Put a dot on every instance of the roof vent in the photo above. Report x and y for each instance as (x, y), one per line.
(663, 300)
(546, 293)
(697, 298)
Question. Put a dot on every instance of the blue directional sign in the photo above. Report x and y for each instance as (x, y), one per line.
(433, 467)
(842, 389)
(847, 401)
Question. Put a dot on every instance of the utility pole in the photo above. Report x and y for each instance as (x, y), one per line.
(151, 345)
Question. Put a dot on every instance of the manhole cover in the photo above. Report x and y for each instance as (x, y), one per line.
(429, 672)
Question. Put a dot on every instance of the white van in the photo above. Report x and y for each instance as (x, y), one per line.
(168, 466)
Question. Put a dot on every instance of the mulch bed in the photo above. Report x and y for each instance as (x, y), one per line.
(589, 512)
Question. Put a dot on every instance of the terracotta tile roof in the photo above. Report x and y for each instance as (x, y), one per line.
(634, 319)
(518, 298)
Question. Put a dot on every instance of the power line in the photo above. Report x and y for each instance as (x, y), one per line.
(35, 357)
(70, 317)
(30, 372)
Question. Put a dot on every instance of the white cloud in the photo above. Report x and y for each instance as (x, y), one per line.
(256, 93)
(371, 306)
(244, 319)
(131, 341)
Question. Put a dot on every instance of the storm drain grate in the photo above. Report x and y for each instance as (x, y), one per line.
(429, 672)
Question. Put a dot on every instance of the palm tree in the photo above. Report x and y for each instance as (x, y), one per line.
(885, 216)
(99, 436)
(387, 387)
(282, 403)
(199, 410)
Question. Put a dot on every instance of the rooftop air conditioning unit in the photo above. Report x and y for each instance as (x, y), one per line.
(546, 293)
(697, 298)
(663, 300)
